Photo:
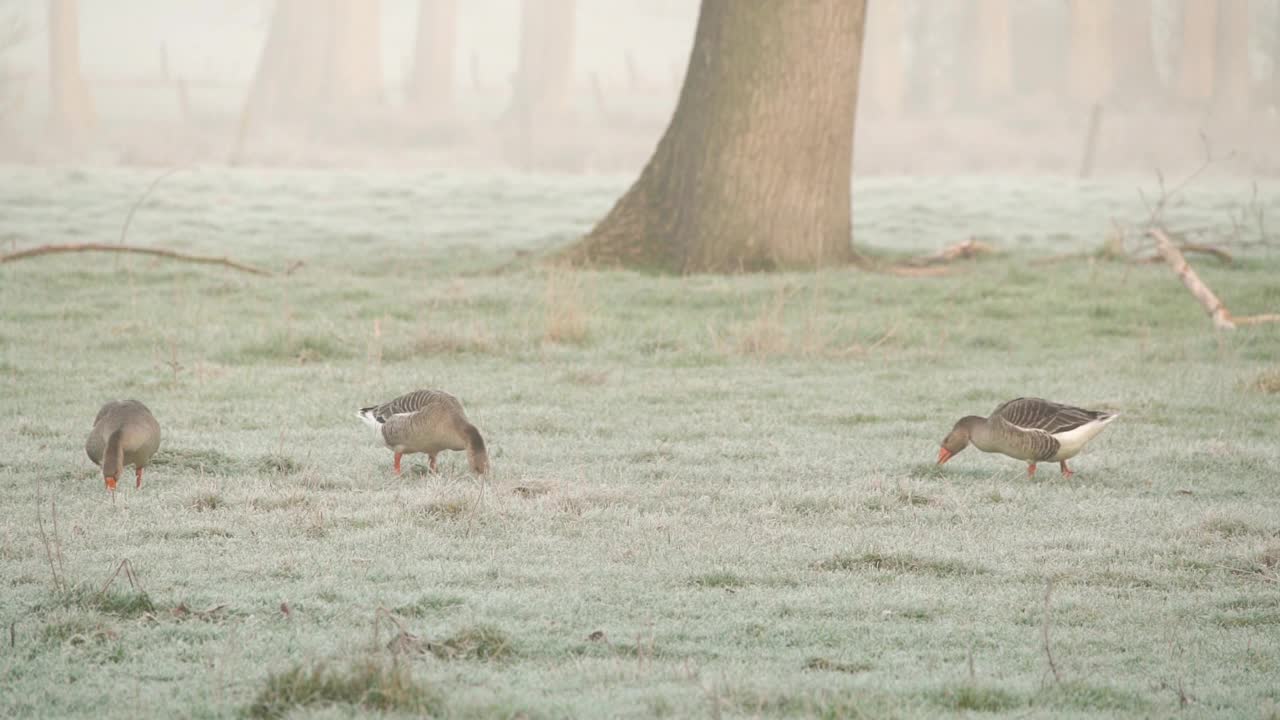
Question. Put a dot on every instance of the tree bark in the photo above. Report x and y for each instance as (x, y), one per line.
(72, 108)
(753, 172)
(431, 84)
(545, 73)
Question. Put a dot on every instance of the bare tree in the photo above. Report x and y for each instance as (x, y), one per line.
(68, 95)
(431, 81)
(753, 172)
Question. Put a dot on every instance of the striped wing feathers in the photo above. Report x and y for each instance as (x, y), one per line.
(1045, 416)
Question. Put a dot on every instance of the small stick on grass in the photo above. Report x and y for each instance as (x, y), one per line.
(1044, 632)
(157, 252)
(54, 556)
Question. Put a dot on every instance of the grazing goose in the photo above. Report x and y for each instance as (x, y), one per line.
(427, 421)
(1028, 429)
(124, 433)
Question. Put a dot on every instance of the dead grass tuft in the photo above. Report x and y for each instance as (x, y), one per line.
(1268, 382)
(370, 683)
(566, 314)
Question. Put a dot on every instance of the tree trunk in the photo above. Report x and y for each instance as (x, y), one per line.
(884, 69)
(1234, 77)
(545, 74)
(1197, 51)
(355, 56)
(992, 50)
(321, 59)
(431, 84)
(753, 172)
(72, 108)
(1132, 50)
(1091, 45)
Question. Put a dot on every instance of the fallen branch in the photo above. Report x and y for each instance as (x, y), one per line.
(1044, 632)
(1187, 274)
(1222, 318)
(157, 252)
(960, 251)
(1216, 252)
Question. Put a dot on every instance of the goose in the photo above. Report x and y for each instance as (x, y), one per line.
(1029, 429)
(427, 421)
(124, 433)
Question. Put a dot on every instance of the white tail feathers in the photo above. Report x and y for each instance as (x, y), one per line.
(370, 419)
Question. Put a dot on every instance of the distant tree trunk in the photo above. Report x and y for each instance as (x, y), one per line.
(1091, 46)
(992, 49)
(1234, 76)
(355, 55)
(72, 108)
(322, 59)
(287, 84)
(753, 172)
(545, 74)
(883, 68)
(1213, 64)
(431, 82)
(1197, 50)
(1040, 49)
(1132, 50)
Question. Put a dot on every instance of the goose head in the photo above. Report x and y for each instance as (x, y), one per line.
(958, 438)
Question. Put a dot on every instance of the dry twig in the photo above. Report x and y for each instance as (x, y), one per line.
(158, 252)
(1044, 632)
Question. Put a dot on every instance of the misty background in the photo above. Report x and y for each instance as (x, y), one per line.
(948, 86)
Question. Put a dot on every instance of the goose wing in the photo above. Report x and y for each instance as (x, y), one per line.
(1049, 417)
(413, 402)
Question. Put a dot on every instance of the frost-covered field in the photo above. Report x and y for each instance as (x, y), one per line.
(711, 496)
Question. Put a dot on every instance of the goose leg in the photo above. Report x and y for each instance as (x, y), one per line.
(432, 456)
(398, 462)
(1066, 471)
(139, 478)
(1031, 470)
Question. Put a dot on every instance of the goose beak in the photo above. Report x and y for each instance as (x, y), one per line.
(944, 455)
(111, 484)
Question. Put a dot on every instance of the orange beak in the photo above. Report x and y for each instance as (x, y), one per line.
(111, 484)
(944, 455)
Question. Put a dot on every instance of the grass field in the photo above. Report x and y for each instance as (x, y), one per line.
(711, 496)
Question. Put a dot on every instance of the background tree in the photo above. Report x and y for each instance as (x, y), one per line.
(992, 49)
(320, 55)
(435, 47)
(1090, 70)
(1133, 52)
(72, 108)
(544, 76)
(1213, 58)
(754, 170)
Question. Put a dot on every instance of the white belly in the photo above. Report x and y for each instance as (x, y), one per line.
(1072, 442)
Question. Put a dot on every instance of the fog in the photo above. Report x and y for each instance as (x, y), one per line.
(172, 83)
